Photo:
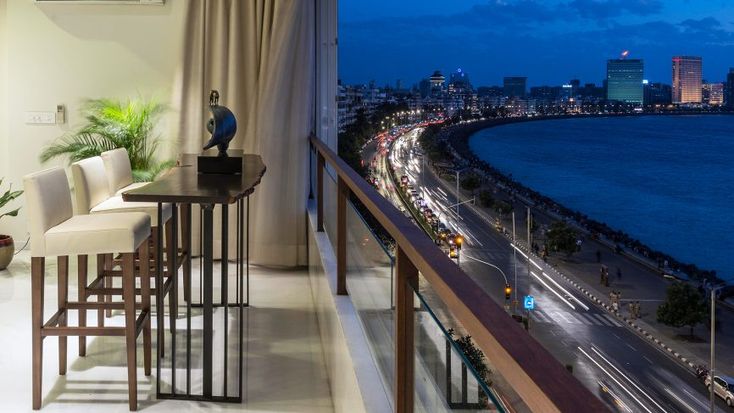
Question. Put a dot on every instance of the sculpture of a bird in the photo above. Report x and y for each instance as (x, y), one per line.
(222, 125)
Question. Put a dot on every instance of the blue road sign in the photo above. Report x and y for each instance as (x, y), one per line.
(529, 302)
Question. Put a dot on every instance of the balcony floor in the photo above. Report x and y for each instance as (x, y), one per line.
(283, 367)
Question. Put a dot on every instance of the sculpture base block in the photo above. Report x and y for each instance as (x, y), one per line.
(219, 165)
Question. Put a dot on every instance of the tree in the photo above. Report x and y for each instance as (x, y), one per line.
(485, 199)
(683, 306)
(502, 207)
(562, 238)
(471, 182)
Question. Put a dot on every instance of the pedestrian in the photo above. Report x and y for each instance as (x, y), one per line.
(615, 306)
(632, 310)
(611, 297)
(638, 312)
(598, 256)
(619, 274)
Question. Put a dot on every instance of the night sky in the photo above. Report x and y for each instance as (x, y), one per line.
(549, 41)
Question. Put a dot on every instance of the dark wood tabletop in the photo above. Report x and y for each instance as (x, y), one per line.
(183, 184)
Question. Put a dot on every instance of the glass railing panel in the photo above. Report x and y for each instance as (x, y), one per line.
(451, 374)
(370, 287)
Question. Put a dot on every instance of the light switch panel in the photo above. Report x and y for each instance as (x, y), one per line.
(40, 118)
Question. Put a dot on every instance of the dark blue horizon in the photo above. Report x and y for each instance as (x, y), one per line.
(550, 42)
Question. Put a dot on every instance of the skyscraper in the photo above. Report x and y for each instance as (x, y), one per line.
(713, 94)
(729, 97)
(515, 86)
(624, 80)
(686, 79)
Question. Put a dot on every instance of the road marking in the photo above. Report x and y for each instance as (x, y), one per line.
(681, 401)
(605, 322)
(552, 290)
(628, 345)
(567, 317)
(614, 379)
(626, 377)
(695, 399)
(648, 360)
(610, 318)
(590, 319)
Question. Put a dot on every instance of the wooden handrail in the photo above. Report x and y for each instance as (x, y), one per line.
(537, 377)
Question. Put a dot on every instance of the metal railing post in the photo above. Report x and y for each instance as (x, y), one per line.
(341, 237)
(319, 191)
(406, 279)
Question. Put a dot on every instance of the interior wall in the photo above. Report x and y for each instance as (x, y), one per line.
(3, 97)
(65, 53)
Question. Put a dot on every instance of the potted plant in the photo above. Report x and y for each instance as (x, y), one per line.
(7, 247)
(112, 124)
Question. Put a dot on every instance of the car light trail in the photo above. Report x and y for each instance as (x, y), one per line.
(615, 380)
(552, 290)
(627, 378)
(566, 291)
(681, 401)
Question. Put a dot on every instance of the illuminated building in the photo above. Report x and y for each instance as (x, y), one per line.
(713, 94)
(729, 98)
(624, 80)
(687, 79)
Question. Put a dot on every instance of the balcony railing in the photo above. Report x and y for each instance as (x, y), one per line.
(542, 382)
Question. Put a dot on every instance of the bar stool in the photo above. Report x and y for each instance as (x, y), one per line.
(55, 231)
(120, 179)
(92, 197)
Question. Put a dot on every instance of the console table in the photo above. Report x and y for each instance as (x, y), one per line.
(183, 186)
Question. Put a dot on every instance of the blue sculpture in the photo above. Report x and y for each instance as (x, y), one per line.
(222, 125)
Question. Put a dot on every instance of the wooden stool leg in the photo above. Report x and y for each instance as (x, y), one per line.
(145, 299)
(82, 261)
(37, 274)
(154, 254)
(63, 295)
(101, 258)
(128, 296)
(172, 272)
(186, 246)
(109, 264)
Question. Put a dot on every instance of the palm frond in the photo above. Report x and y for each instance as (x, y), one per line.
(8, 196)
(113, 124)
(148, 175)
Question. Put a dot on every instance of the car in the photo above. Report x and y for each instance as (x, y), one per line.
(723, 387)
(453, 252)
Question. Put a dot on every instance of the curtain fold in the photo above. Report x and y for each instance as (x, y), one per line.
(259, 54)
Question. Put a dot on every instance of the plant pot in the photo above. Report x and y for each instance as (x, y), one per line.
(7, 249)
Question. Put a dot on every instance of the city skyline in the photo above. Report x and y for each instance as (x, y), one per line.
(559, 40)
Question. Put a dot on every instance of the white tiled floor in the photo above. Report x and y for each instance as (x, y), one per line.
(284, 367)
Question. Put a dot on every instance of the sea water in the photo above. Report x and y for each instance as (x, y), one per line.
(666, 180)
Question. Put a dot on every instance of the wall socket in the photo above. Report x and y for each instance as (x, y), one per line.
(40, 118)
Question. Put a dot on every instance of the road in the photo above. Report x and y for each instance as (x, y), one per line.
(599, 348)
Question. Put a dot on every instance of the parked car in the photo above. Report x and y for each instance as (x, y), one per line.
(723, 387)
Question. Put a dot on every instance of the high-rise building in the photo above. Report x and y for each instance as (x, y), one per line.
(437, 80)
(729, 98)
(687, 79)
(624, 80)
(657, 94)
(713, 94)
(515, 86)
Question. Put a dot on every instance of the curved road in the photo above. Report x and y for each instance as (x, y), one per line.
(601, 349)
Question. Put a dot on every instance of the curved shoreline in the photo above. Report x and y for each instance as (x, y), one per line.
(458, 138)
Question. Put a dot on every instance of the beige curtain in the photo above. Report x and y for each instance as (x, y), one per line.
(259, 54)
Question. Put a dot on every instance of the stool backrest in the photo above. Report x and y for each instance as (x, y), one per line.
(48, 203)
(90, 183)
(119, 171)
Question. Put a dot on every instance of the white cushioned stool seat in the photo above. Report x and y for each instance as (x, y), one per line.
(132, 186)
(117, 205)
(98, 234)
